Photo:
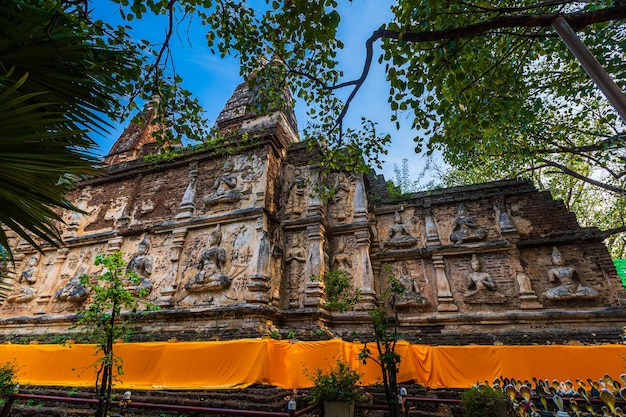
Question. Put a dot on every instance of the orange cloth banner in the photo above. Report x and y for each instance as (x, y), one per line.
(239, 363)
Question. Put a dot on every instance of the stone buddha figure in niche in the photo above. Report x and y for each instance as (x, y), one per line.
(411, 296)
(465, 228)
(296, 201)
(30, 273)
(140, 264)
(570, 288)
(481, 287)
(399, 237)
(296, 259)
(341, 260)
(340, 208)
(73, 291)
(225, 187)
(211, 261)
(23, 294)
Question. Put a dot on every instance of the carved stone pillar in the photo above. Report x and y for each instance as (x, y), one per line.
(314, 289)
(259, 283)
(363, 273)
(166, 294)
(178, 239)
(444, 295)
(50, 280)
(187, 205)
(115, 244)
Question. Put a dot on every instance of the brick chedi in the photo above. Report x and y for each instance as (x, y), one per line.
(225, 239)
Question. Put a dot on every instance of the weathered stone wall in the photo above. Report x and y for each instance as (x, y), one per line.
(226, 241)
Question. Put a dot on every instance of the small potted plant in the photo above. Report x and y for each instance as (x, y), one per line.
(338, 389)
(484, 401)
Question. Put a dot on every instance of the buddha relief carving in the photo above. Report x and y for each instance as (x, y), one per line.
(411, 296)
(341, 260)
(399, 237)
(23, 294)
(225, 185)
(212, 259)
(141, 265)
(504, 220)
(294, 260)
(481, 286)
(340, 208)
(570, 287)
(74, 292)
(296, 201)
(30, 273)
(465, 228)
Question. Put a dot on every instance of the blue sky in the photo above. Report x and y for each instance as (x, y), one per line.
(213, 79)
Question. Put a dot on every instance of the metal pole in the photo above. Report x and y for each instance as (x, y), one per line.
(591, 65)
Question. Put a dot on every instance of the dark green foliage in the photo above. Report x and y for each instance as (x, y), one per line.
(54, 87)
(479, 401)
(7, 379)
(337, 384)
(340, 296)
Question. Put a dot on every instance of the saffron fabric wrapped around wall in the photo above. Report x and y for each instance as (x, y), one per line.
(239, 363)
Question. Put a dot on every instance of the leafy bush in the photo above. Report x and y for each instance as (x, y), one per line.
(7, 379)
(337, 384)
(479, 401)
(339, 292)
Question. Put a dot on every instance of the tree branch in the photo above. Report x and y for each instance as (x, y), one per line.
(577, 21)
(613, 231)
(572, 173)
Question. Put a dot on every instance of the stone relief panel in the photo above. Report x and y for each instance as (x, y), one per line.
(64, 293)
(234, 184)
(276, 270)
(483, 281)
(141, 265)
(157, 196)
(344, 254)
(566, 276)
(340, 205)
(419, 294)
(481, 288)
(505, 223)
(399, 235)
(464, 228)
(522, 225)
(25, 284)
(415, 286)
(294, 270)
(570, 286)
(297, 191)
(214, 263)
(400, 230)
(105, 205)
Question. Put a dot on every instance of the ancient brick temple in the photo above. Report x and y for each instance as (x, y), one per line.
(226, 239)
